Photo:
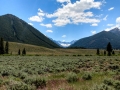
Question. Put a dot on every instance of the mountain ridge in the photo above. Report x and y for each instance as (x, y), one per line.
(100, 40)
(15, 29)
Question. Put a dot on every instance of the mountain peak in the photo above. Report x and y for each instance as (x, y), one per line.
(115, 31)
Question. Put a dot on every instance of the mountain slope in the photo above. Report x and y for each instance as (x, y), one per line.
(16, 30)
(100, 40)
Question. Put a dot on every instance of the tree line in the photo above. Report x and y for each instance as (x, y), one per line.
(5, 49)
(108, 49)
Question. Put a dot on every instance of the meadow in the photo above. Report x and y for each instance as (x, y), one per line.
(58, 69)
(59, 73)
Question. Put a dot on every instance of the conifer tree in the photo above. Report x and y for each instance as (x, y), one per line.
(1, 46)
(98, 52)
(6, 47)
(19, 52)
(109, 49)
(24, 52)
(104, 53)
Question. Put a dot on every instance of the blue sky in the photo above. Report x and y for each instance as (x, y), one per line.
(65, 20)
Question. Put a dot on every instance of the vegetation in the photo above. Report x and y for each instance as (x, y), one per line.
(59, 72)
(109, 49)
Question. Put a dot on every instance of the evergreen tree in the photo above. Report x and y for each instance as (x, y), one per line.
(98, 52)
(113, 52)
(104, 53)
(7, 47)
(19, 52)
(24, 52)
(1, 46)
(109, 49)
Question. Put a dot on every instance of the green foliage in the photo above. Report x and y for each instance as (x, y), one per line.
(19, 52)
(101, 87)
(24, 52)
(98, 52)
(109, 49)
(86, 76)
(72, 77)
(6, 47)
(36, 80)
(1, 46)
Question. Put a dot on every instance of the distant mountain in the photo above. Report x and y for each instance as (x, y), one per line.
(100, 40)
(65, 44)
(16, 30)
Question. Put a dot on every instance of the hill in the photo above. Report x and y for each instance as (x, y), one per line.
(16, 30)
(100, 40)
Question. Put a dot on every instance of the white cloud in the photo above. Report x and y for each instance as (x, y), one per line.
(105, 18)
(75, 13)
(47, 25)
(93, 32)
(110, 8)
(114, 26)
(94, 24)
(61, 21)
(62, 1)
(110, 24)
(39, 17)
(118, 20)
(30, 24)
(49, 31)
(36, 19)
(63, 36)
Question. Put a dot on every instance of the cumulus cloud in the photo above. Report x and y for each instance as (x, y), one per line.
(30, 24)
(36, 19)
(63, 36)
(75, 13)
(39, 17)
(94, 24)
(47, 25)
(118, 20)
(105, 18)
(62, 1)
(110, 8)
(49, 31)
(93, 32)
(114, 26)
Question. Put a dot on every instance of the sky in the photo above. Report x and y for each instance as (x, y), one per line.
(66, 20)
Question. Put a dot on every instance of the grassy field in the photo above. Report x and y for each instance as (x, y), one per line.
(38, 50)
(58, 69)
(59, 73)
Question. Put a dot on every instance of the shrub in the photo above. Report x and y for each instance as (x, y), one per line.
(86, 76)
(108, 81)
(72, 77)
(101, 87)
(37, 81)
(117, 85)
(1, 81)
(15, 85)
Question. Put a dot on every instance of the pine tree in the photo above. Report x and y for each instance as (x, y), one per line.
(19, 52)
(109, 49)
(104, 53)
(24, 52)
(1, 46)
(7, 48)
(98, 52)
(113, 52)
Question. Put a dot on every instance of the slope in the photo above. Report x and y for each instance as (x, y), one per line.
(99, 40)
(16, 30)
